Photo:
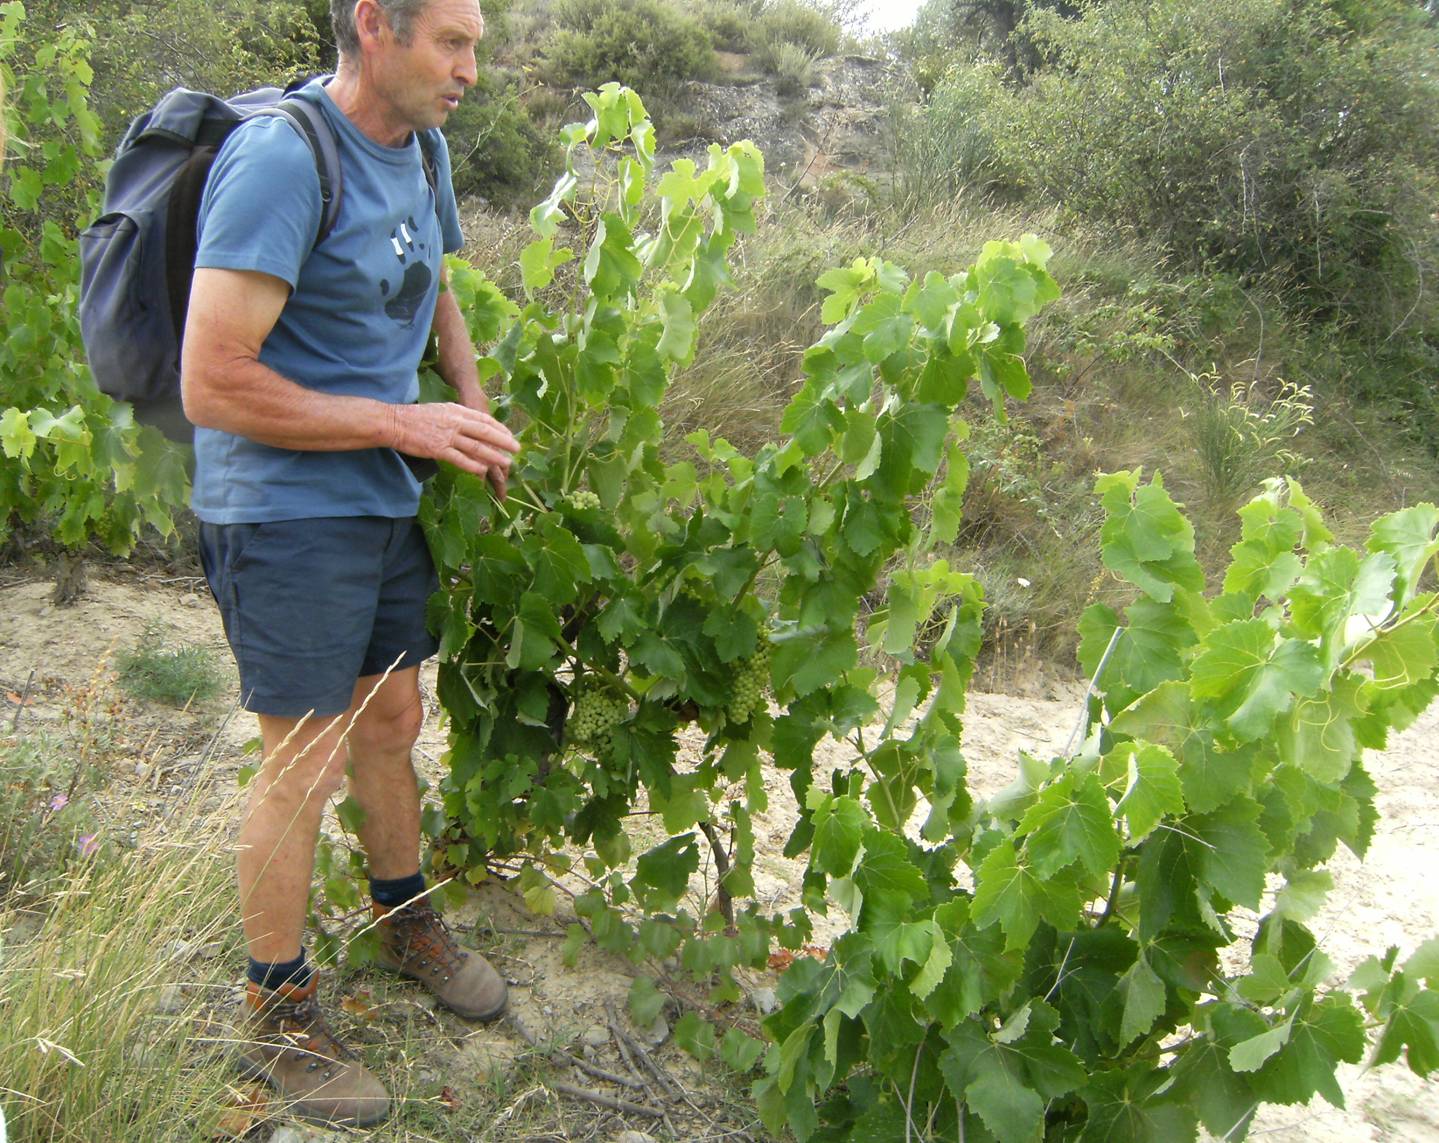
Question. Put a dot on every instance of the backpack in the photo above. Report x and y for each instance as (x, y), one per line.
(137, 259)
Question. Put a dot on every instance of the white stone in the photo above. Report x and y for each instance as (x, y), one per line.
(597, 1036)
(764, 1000)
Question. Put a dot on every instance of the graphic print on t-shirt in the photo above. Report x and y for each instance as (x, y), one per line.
(415, 286)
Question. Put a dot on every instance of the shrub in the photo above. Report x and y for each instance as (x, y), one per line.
(730, 23)
(1293, 140)
(644, 44)
(156, 671)
(795, 22)
(792, 66)
(945, 145)
(1241, 437)
(496, 150)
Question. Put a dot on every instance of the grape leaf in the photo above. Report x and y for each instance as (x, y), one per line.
(1144, 999)
(662, 874)
(1264, 562)
(1318, 737)
(886, 876)
(1224, 1100)
(1336, 587)
(1151, 789)
(1414, 1027)
(1324, 1034)
(1146, 539)
(1168, 717)
(1013, 894)
(1253, 674)
(838, 833)
(1235, 853)
(1409, 536)
(1069, 821)
(1124, 1107)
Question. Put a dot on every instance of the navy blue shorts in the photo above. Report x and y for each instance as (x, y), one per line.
(310, 606)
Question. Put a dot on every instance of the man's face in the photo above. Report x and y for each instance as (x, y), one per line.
(424, 79)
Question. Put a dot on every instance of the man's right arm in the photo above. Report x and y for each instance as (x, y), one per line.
(225, 386)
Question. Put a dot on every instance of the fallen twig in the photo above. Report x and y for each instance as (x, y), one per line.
(621, 1043)
(24, 698)
(629, 1107)
(561, 1056)
(671, 1088)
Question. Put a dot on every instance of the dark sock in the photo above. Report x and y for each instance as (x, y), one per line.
(398, 890)
(295, 972)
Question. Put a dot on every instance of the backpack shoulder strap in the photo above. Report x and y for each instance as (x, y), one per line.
(427, 157)
(310, 121)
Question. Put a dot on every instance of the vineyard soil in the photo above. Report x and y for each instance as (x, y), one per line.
(157, 757)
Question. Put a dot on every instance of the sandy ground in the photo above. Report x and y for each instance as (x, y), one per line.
(54, 657)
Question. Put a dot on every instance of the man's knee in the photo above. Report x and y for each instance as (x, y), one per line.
(390, 727)
(303, 766)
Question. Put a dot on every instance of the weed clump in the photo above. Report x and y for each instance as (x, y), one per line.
(156, 671)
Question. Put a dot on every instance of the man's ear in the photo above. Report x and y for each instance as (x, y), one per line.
(370, 23)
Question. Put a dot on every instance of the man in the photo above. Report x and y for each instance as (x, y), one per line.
(299, 371)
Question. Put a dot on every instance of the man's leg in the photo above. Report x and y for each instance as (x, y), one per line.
(382, 775)
(281, 1034)
(414, 940)
(303, 765)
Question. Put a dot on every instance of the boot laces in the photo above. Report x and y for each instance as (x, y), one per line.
(418, 932)
(303, 1024)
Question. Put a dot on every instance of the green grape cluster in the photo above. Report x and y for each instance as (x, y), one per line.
(596, 713)
(751, 681)
(582, 500)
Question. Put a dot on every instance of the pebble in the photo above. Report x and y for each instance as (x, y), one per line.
(171, 1001)
(657, 1033)
(597, 1036)
(764, 1000)
(290, 1133)
(634, 1137)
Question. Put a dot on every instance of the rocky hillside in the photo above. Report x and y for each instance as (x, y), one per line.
(837, 125)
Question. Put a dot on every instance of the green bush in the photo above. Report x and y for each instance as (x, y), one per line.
(644, 44)
(730, 23)
(224, 47)
(795, 22)
(157, 671)
(1295, 141)
(945, 146)
(496, 149)
(792, 66)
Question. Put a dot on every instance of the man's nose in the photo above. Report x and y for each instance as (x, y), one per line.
(467, 70)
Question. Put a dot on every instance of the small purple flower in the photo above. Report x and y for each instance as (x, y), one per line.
(59, 802)
(88, 845)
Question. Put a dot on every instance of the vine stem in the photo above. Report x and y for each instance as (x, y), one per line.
(1359, 651)
(1113, 899)
(722, 868)
(909, 1100)
(1089, 691)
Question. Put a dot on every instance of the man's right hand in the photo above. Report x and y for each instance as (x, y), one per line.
(472, 441)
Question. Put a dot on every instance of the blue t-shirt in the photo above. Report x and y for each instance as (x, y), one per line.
(359, 313)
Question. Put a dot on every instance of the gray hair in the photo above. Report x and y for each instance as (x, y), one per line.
(400, 13)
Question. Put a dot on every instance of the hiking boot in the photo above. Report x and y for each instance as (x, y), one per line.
(416, 942)
(283, 1040)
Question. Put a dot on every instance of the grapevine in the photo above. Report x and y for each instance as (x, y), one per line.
(1063, 960)
(596, 714)
(71, 459)
(751, 680)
